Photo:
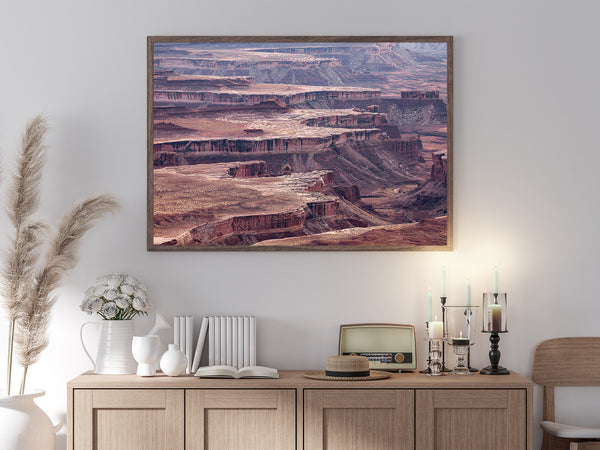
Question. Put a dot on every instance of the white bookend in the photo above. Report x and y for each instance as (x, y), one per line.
(211, 340)
(252, 341)
(176, 332)
(246, 341)
(240, 342)
(229, 341)
(200, 344)
(223, 340)
(182, 333)
(234, 342)
(189, 342)
(217, 341)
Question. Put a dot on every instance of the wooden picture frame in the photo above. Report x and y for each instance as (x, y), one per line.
(300, 143)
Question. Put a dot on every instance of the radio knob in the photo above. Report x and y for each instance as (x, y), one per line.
(399, 357)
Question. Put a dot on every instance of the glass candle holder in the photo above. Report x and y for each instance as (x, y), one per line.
(460, 334)
(494, 313)
(435, 355)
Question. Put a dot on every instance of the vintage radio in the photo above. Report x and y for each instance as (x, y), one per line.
(388, 346)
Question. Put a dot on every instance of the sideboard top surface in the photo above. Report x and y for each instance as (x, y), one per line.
(291, 379)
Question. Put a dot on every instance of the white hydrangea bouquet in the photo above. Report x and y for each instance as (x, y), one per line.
(116, 296)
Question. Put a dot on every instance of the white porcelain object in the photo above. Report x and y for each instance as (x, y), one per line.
(23, 425)
(114, 347)
(146, 351)
(173, 362)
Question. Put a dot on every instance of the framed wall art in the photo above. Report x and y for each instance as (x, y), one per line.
(300, 143)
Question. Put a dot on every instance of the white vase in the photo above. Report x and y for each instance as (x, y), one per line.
(173, 361)
(146, 351)
(23, 425)
(114, 347)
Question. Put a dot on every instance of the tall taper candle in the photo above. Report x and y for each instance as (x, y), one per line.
(468, 292)
(429, 305)
(443, 293)
(495, 279)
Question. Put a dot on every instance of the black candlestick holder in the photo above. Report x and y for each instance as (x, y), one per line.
(494, 322)
(443, 367)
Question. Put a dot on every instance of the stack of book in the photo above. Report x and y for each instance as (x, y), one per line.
(231, 340)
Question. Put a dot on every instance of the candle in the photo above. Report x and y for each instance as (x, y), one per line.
(495, 279)
(436, 329)
(460, 340)
(495, 317)
(429, 305)
(443, 293)
(468, 292)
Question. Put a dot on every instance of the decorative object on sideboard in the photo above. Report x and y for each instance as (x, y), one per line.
(443, 299)
(116, 298)
(24, 426)
(146, 351)
(461, 323)
(303, 116)
(160, 324)
(347, 368)
(436, 337)
(494, 322)
(31, 275)
(174, 362)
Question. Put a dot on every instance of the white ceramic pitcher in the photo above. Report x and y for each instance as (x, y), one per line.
(23, 425)
(114, 347)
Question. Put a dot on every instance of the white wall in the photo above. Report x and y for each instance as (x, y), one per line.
(525, 168)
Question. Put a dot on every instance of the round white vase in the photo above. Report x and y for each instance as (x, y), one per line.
(173, 361)
(23, 425)
(114, 347)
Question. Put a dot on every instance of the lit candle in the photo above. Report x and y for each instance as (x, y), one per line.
(495, 317)
(468, 292)
(429, 305)
(436, 329)
(460, 340)
(443, 293)
(495, 279)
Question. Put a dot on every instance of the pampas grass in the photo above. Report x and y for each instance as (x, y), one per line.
(28, 281)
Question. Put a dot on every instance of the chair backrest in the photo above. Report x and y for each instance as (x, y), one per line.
(571, 361)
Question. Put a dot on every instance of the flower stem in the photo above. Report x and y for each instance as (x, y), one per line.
(22, 391)
(11, 336)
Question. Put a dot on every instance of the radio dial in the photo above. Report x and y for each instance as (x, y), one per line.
(399, 357)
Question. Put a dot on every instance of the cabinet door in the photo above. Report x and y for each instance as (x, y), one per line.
(232, 419)
(491, 419)
(122, 419)
(357, 419)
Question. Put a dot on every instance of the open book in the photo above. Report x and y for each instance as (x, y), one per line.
(232, 372)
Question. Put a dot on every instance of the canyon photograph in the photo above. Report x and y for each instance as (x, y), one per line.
(324, 145)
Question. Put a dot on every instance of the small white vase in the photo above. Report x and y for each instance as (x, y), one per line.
(114, 347)
(173, 361)
(146, 351)
(23, 425)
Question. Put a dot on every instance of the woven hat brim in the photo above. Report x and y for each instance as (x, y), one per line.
(320, 375)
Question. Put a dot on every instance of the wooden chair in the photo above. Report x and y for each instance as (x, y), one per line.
(572, 361)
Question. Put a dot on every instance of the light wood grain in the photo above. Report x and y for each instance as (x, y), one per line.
(128, 419)
(235, 419)
(471, 419)
(359, 419)
(570, 361)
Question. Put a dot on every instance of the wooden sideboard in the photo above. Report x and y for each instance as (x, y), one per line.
(406, 411)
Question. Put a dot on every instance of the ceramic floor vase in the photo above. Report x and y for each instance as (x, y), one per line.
(114, 347)
(23, 425)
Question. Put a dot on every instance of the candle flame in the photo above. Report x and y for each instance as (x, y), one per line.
(460, 336)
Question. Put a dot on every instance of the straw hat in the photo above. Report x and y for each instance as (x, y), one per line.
(347, 368)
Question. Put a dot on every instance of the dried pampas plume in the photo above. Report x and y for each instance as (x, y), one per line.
(31, 335)
(27, 285)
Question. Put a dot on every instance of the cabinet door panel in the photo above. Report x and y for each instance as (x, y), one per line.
(121, 419)
(358, 419)
(471, 419)
(230, 419)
